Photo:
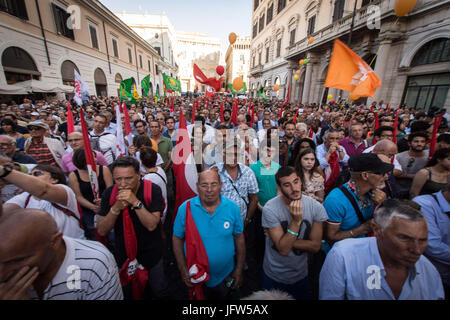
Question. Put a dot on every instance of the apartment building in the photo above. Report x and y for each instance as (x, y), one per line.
(237, 60)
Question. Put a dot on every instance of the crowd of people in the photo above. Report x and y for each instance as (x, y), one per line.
(337, 201)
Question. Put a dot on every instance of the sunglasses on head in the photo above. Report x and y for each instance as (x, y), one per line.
(34, 128)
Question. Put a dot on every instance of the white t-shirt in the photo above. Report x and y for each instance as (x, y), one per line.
(68, 225)
(88, 272)
(162, 183)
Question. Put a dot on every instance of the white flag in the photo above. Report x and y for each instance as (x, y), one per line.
(80, 87)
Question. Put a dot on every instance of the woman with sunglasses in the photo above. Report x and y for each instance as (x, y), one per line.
(307, 168)
(80, 184)
(45, 189)
(434, 176)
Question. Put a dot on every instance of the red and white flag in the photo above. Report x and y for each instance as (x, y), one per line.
(90, 163)
(70, 122)
(121, 149)
(128, 132)
(184, 167)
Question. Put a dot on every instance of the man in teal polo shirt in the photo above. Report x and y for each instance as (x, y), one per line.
(219, 224)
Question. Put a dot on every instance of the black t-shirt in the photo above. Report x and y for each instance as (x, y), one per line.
(149, 243)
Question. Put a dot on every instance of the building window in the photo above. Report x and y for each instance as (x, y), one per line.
(261, 23)
(115, 48)
(267, 54)
(366, 2)
(255, 29)
(14, 7)
(255, 4)
(338, 12)
(156, 69)
(94, 40)
(279, 48)
(269, 14)
(61, 21)
(118, 78)
(424, 91)
(18, 65)
(159, 50)
(260, 58)
(140, 62)
(311, 25)
(67, 72)
(435, 51)
(253, 61)
(149, 66)
(292, 38)
(130, 57)
(281, 5)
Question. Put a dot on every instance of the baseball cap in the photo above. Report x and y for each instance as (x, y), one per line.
(369, 162)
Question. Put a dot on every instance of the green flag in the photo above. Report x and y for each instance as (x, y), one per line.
(157, 96)
(145, 84)
(171, 84)
(126, 90)
(261, 93)
(243, 90)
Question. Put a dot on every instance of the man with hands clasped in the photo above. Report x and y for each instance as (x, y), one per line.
(293, 225)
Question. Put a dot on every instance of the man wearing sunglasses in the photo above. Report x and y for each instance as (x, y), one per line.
(44, 150)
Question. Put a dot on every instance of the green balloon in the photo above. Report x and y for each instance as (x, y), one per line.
(305, 61)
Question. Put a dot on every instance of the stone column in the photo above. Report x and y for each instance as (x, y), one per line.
(307, 84)
(380, 67)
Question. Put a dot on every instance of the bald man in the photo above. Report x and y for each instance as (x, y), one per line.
(76, 142)
(37, 262)
(219, 224)
(386, 150)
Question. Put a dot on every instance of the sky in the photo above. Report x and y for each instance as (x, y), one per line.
(215, 18)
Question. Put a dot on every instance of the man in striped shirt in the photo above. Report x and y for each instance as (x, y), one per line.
(37, 262)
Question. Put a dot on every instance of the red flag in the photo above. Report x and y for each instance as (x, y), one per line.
(253, 114)
(172, 109)
(70, 123)
(234, 113)
(388, 108)
(310, 133)
(295, 117)
(376, 127)
(371, 108)
(221, 111)
(200, 77)
(196, 257)
(184, 167)
(394, 140)
(437, 122)
(193, 110)
(90, 163)
(331, 172)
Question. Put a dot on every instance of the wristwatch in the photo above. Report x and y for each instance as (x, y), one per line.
(138, 206)
(6, 169)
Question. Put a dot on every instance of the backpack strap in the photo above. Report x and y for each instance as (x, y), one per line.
(353, 202)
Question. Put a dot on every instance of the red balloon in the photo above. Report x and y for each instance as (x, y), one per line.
(220, 70)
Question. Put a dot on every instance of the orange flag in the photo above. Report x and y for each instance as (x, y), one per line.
(347, 71)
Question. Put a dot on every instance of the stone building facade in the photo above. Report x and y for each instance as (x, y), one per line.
(411, 54)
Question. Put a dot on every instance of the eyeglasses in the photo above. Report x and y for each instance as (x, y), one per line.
(37, 173)
(74, 140)
(213, 186)
(5, 145)
(34, 128)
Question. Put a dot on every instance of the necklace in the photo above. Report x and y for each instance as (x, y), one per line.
(355, 189)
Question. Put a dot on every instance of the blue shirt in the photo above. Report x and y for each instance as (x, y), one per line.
(438, 231)
(353, 270)
(217, 231)
(321, 151)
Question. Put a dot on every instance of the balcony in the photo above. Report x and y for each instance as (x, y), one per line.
(257, 71)
(338, 28)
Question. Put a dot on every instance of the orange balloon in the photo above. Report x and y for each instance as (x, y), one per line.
(222, 90)
(276, 87)
(297, 72)
(311, 40)
(238, 84)
(403, 7)
(232, 37)
(301, 62)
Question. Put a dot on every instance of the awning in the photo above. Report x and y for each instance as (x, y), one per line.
(41, 86)
(12, 89)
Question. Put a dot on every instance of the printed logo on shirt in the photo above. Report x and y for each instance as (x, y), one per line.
(226, 225)
(374, 280)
